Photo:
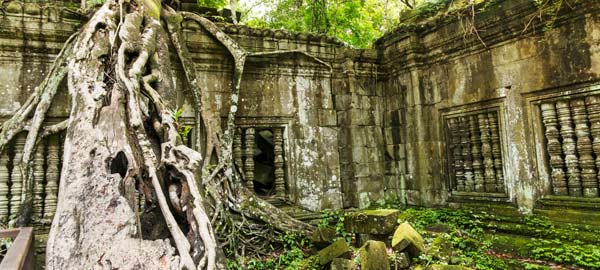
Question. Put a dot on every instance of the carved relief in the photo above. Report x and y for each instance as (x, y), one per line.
(4, 188)
(572, 131)
(475, 153)
(496, 152)
(52, 176)
(249, 161)
(569, 148)
(38, 183)
(554, 148)
(457, 162)
(593, 111)
(465, 153)
(16, 177)
(476, 156)
(279, 172)
(486, 152)
(584, 149)
(237, 148)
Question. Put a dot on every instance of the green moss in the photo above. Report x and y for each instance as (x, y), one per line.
(339, 248)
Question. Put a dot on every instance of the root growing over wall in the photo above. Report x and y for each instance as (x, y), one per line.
(122, 140)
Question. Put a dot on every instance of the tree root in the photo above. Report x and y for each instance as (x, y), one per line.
(204, 212)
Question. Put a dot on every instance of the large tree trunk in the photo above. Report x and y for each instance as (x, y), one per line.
(122, 142)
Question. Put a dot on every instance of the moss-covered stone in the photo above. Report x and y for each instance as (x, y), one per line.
(339, 249)
(441, 248)
(322, 237)
(14, 7)
(341, 264)
(310, 263)
(400, 260)
(381, 221)
(406, 238)
(373, 256)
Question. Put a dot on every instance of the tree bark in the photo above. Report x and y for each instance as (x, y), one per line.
(122, 142)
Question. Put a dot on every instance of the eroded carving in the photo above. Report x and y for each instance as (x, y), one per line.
(249, 161)
(569, 147)
(554, 148)
(279, 172)
(475, 153)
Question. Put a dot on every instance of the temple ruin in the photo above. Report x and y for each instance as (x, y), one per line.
(430, 116)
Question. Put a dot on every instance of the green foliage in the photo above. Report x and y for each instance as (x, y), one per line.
(431, 8)
(577, 254)
(356, 22)
(548, 12)
(335, 219)
(183, 130)
(473, 237)
(289, 257)
(218, 4)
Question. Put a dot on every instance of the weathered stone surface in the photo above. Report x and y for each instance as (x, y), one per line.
(406, 238)
(373, 256)
(441, 248)
(401, 260)
(342, 264)
(339, 248)
(322, 236)
(381, 221)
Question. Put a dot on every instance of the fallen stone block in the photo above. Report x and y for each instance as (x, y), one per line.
(341, 264)
(406, 238)
(379, 222)
(373, 256)
(339, 249)
(322, 237)
(400, 260)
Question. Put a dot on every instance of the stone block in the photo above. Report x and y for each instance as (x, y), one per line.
(400, 260)
(327, 118)
(342, 102)
(373, 256)
(381, 221)
(407, 238)
(322, 237)
(341, 264)
(339, 249)
(14, 7)
(342, 118)
(441, 248)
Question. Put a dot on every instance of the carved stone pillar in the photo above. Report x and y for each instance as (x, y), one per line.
(476, 156)
(457, 157)
(569, 148)
(52, 175)
(249, 162)
(38, 182)
(549, 118)
(4, 189)
(496, 151)
(593, 111)
(486, 152)
(465, 142)
(584, 149)
(16, 187)
(280, 186)
(237, 149)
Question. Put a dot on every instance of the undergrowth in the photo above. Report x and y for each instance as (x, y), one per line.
(472, 238)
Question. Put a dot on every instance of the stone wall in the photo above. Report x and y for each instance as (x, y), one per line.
(475, 129)
(430, 116)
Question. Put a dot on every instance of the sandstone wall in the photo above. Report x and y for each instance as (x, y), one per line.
(459, 88)
(430, 116)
